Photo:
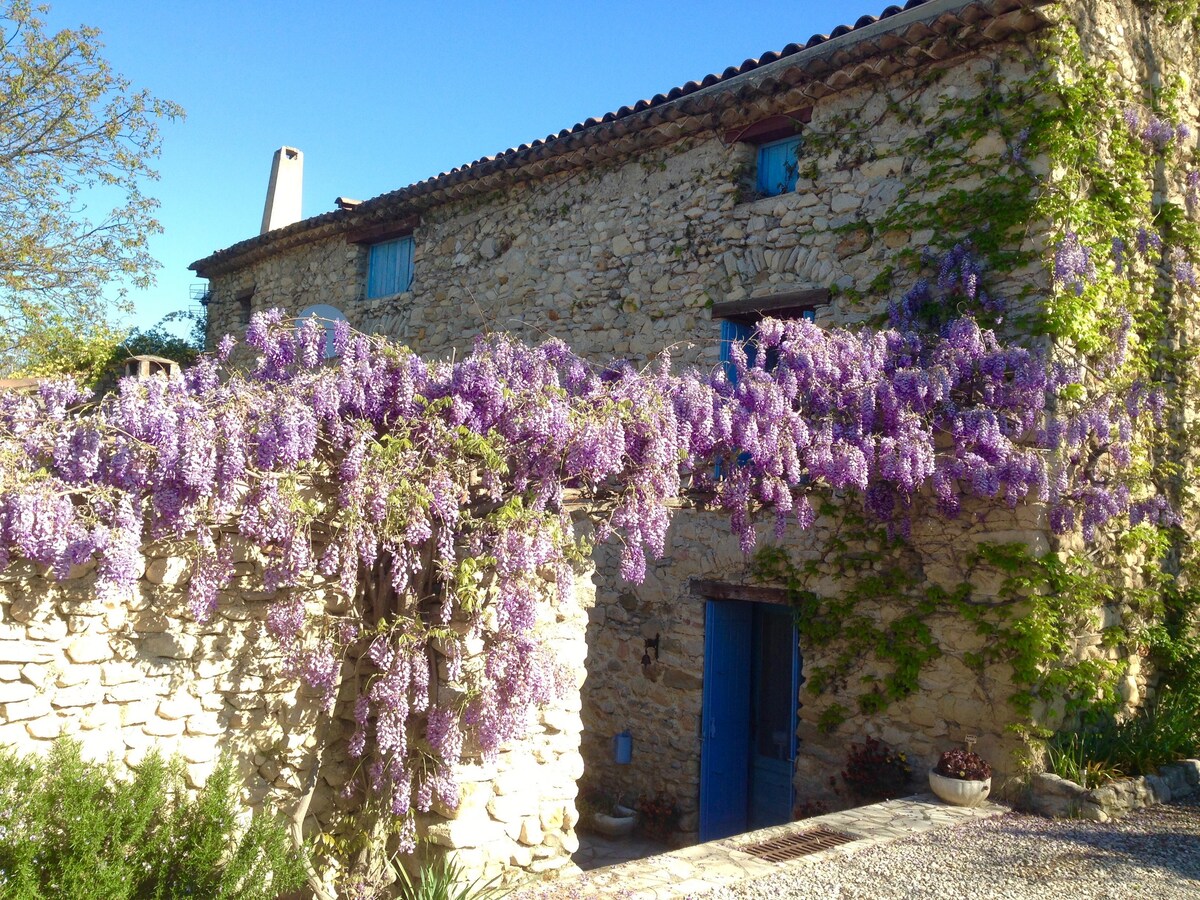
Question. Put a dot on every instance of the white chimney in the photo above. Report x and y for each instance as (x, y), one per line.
(284, 191)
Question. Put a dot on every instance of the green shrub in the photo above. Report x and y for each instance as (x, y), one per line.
(70, 828)
(1081, 757)
(1164, 731)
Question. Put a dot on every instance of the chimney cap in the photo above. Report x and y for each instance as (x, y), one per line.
(346, 203)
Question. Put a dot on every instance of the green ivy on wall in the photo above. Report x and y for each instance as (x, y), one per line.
(1017, 168)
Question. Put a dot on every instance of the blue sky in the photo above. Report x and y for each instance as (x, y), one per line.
(381, 94)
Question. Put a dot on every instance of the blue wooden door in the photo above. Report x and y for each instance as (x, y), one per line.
(725, 749)
(751, 688)
(774, 690)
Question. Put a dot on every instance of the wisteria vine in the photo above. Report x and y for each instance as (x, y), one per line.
(440, 496)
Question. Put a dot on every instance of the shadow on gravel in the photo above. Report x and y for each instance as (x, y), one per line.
(1164, 838)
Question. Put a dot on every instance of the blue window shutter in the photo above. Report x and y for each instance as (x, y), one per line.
(731, 333)
(735, 332)
(777, 167)
(390, 268)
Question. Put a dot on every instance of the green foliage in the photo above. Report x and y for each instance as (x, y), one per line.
(74, 137)
(69, 828)
(444, 880)
(1033, 623)
(97, 355)
(831, 717)
(62, 345)
(902, 646)
(1164, 731)
(1080, 757)
(1040, 139)
(1174, 12)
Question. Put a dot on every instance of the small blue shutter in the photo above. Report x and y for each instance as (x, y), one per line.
(777, 167)
(390, 269)
(732, 332)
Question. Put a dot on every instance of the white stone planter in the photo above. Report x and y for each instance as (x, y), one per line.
(959, 791)
(613, 826)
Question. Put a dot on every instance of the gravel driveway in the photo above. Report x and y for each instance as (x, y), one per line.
(1154, 853)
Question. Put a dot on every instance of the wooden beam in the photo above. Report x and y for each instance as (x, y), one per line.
(725, 590)
(757, 307)
(770, 129)
(373, 234)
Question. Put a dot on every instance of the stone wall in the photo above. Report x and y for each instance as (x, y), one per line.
(127, 678)
(1059, 798)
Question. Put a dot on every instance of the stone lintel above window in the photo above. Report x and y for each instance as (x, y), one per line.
(770, 129)
(726, 590)
(785, 305)
(383, 231)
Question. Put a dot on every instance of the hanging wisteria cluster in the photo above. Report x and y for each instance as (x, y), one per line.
(1155, 134)
(439, 496)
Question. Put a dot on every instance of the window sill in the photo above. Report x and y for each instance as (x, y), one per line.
(756, 202)
(402, 296)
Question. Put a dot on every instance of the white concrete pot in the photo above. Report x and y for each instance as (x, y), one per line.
(613, 826)
(959, 791)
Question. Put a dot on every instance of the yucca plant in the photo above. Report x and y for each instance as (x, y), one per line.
(444, 879)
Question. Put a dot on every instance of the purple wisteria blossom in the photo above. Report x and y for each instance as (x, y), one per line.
(1156, 134)
(1182, 268)
(437, 497)
(1073, 266)
(1147, 240)
(1118, 255)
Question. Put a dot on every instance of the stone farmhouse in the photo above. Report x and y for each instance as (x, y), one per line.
(789, 185)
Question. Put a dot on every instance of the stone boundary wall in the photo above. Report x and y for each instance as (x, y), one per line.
(1059, 798)
(124, 679)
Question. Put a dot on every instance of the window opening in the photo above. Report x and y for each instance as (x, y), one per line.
(778, 167)
(245, 306)
(390, 267)
(741, 327)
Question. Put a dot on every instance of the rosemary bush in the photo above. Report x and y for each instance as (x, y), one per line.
(70, 828)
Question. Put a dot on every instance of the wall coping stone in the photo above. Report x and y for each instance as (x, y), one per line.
(1060, 798)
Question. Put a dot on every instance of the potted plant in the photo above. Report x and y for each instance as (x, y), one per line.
(876, 771)
(961, 778)
(658, 816)
(604, 815)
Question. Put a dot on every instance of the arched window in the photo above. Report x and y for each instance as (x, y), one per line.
(329, 316)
